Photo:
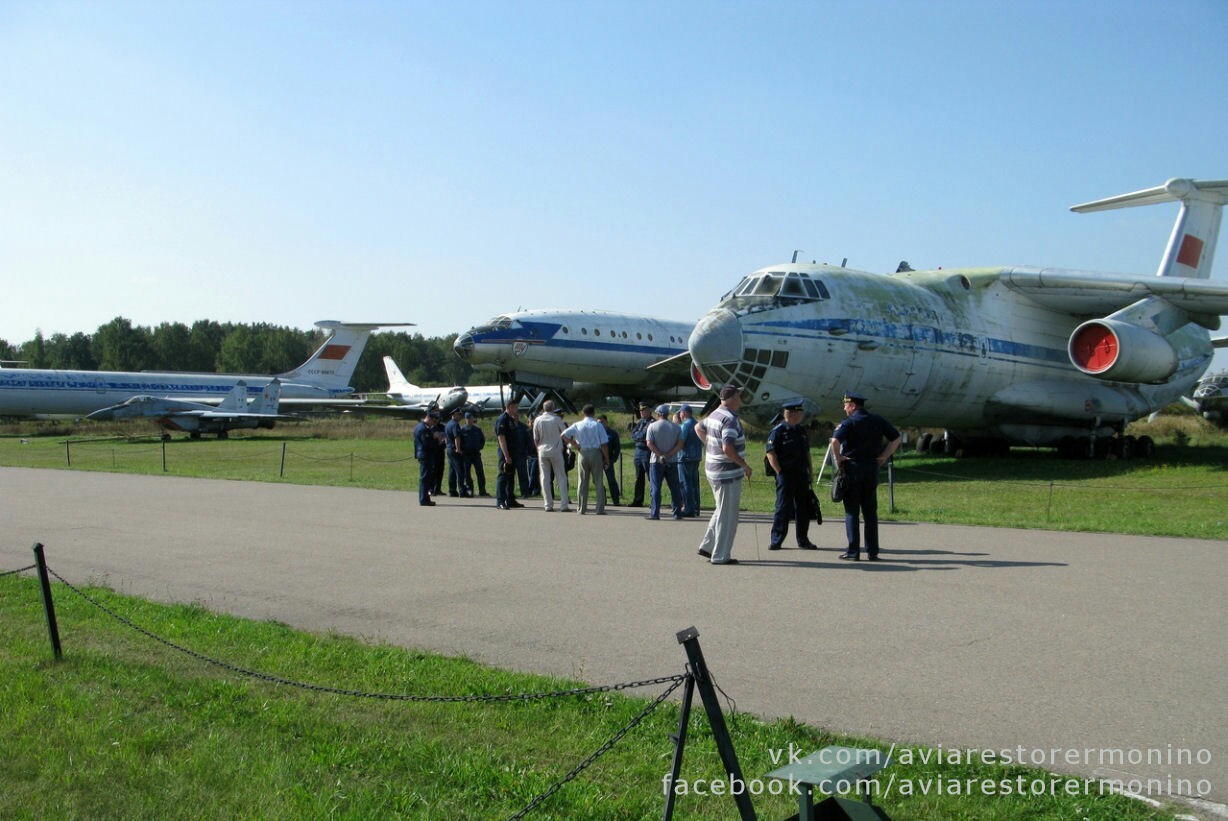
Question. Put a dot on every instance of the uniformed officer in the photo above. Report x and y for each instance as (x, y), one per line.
(426, 447)
(456, 458)
(788, 452)
(643, 456)
(858, 445)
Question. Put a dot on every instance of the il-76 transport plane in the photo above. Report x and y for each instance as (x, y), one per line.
(324, 376)
(1042, 356)
(589, 354)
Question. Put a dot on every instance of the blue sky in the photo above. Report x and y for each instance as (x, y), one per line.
(440, 163)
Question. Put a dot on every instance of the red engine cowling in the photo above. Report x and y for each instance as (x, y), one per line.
(1121, 352)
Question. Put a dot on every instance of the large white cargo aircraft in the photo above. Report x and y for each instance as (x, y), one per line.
(583, 354)
(324, 376)
(995, 356)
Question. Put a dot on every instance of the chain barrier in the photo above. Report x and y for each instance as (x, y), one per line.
(18, 570)
(320, 688)
(600, 751)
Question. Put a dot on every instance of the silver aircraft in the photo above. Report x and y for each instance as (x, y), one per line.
(196, 418)
(995, 356)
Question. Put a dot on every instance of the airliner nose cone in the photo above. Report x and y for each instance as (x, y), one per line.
(463, 346)
(717, 339)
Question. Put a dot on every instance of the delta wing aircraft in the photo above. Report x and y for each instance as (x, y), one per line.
(197, 418)
(583, 354)
(995, 356)
(323, 377)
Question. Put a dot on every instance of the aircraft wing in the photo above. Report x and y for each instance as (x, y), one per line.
(1082, 293)
(679, 364)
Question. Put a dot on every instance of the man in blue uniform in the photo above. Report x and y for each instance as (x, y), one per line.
(456, 459)
(611, 481)
(472, 442)
(426, 447)
(507, 433)
(643, 456)
(788, 452)
(858, 445)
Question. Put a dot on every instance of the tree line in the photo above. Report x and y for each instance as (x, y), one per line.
(227, 347)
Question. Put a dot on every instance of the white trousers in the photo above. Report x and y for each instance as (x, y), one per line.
(553, 465)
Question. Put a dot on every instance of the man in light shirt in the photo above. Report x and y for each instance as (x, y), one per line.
(589, 437)
(548, 438)
(726, 467)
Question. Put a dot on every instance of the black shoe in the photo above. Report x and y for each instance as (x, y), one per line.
(704, 553)
(773, 547)
(514, 504)
(500, 506)
(453, 493)
(727, 561)
(808, 546)
(654, 518)
(636, 504)
(484, 493)
(852, 557)
(427, 503)
(873, 557)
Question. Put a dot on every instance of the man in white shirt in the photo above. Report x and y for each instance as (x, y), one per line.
(589, 437)
(548, 437)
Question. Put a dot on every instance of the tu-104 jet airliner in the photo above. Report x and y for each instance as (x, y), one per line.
(995, 356)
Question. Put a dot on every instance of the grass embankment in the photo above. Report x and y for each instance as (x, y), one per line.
(125, 727)
(1183, 491)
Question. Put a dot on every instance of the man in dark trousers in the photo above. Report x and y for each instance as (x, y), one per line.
(858, 447)
(426, 448)
(507, 432)
(642, 456)
(788, 452)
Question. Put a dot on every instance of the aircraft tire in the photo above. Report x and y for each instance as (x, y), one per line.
(924, 442)
(1145, 447)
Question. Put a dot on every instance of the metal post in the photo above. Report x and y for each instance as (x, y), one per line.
(48, 604)
(679, 740)
(282, 473)
(689, 638)
(164, 456)
(67, 453)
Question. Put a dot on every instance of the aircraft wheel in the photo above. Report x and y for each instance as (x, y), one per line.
(1145, 447)
(924, 442)
(952, 446)
(1125, 446)
(223, 434)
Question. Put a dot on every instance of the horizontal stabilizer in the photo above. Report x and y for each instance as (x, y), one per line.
(1175, 190)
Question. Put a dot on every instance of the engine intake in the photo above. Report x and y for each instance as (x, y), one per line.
(1121, 352)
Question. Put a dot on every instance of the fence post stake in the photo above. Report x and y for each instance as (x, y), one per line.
(679, 739)
(689, 639)
(164, 456)
(48, 604)
(67, 453)
(281, 474)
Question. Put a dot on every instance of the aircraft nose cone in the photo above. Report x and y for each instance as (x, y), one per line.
(463, 346)
(717, 339)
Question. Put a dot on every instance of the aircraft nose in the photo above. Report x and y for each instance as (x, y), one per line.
(717, 339)
(464, 346)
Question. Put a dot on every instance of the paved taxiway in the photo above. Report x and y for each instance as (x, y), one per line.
(967, 637)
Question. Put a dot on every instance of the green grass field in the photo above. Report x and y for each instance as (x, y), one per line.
(1182, 492)
(127, 727)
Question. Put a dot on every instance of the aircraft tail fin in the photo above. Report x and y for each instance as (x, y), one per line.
(1191, 248)
(333, 363)
(269, 399)
(236, 400)
(397, 383)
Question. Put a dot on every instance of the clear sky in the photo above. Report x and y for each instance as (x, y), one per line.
(441, 163)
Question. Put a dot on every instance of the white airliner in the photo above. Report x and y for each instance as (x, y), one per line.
(197, 418)
(994, 355)
(583, 354)
(476, 399)
(324, 376)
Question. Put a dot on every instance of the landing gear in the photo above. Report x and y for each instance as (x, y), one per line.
(924, 442)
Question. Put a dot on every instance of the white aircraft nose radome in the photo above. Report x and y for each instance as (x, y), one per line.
(717, 339)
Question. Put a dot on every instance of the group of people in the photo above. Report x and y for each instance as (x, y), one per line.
(668, 452)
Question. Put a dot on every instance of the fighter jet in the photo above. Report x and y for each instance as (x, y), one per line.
(197, 418)
(996, 356)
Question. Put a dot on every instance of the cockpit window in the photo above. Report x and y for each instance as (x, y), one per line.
(774, 289)
(499, 323)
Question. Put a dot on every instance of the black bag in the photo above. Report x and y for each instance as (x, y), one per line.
(816, 512)
(838, 487)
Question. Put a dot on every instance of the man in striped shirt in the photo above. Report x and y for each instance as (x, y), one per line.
(726, 467)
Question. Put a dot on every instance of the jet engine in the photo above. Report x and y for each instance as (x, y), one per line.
(1121, 352)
